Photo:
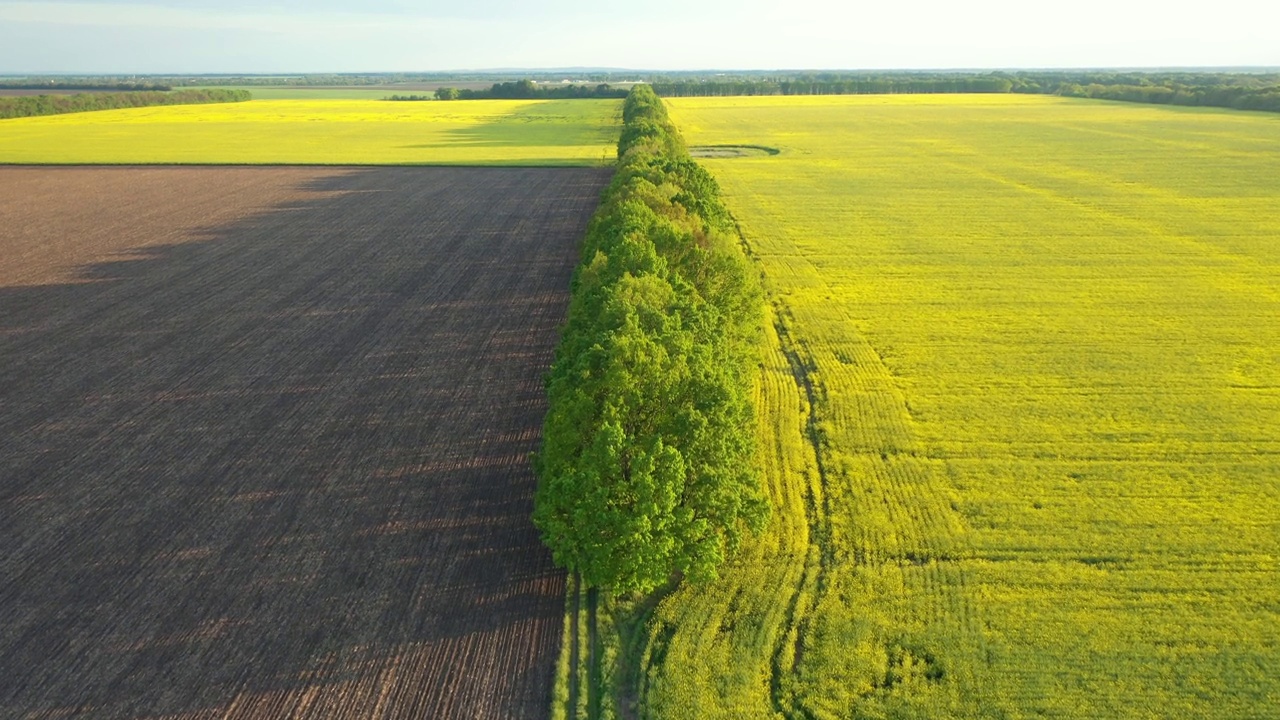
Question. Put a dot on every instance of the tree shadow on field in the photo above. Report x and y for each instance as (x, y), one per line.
(551, 123)
(279, 467)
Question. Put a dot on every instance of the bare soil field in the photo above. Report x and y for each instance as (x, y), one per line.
(264, 437)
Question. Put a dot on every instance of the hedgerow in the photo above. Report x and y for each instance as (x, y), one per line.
(35, 105)
(647, 471)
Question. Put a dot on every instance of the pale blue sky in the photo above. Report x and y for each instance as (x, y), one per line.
(189, 36)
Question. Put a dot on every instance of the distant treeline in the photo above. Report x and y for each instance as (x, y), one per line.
(1230, 90)
(1245, 88)
(521, 90)
(647, 472)
(1239, 98)
(373, 79)
(887, 85)
(168, 82)
(32, 105)
(59, 87)
(317, 79)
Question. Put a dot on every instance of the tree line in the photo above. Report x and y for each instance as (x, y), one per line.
(1242, 91)
(1232, 96)
(32, 105)
(647, 471)
(887, 85)
(60, 86)
(522, 90)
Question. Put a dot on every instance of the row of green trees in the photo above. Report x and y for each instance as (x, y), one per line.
(30, 106)
(648, 468)
(888, 85)
(1230, 90)
(1237, 97)
(60, 86)
(527, 90)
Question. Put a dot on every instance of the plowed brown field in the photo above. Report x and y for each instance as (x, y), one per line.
(264, 438)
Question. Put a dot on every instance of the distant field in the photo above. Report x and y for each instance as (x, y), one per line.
(264, 439)
(1040, 343)
(324, 132)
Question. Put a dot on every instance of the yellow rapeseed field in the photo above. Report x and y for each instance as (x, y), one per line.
(325, 132)
(1022, 415)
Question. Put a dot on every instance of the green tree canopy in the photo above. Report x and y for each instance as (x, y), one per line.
(647, 469)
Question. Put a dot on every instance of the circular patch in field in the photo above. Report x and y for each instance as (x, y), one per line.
(732, 151)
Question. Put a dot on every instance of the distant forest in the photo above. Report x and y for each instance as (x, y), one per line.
(1242, 91)
(61, 86)
(57, 83)
(33, 105)
(521, 90)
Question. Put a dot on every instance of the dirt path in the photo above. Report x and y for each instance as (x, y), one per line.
(264, 438)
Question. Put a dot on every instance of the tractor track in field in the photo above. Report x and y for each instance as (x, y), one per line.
(264, 439)
(818, 515)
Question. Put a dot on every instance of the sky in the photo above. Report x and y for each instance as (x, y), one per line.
(292, 36)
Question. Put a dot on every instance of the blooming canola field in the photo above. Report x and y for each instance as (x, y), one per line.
(1022, 412)
(324, 132)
